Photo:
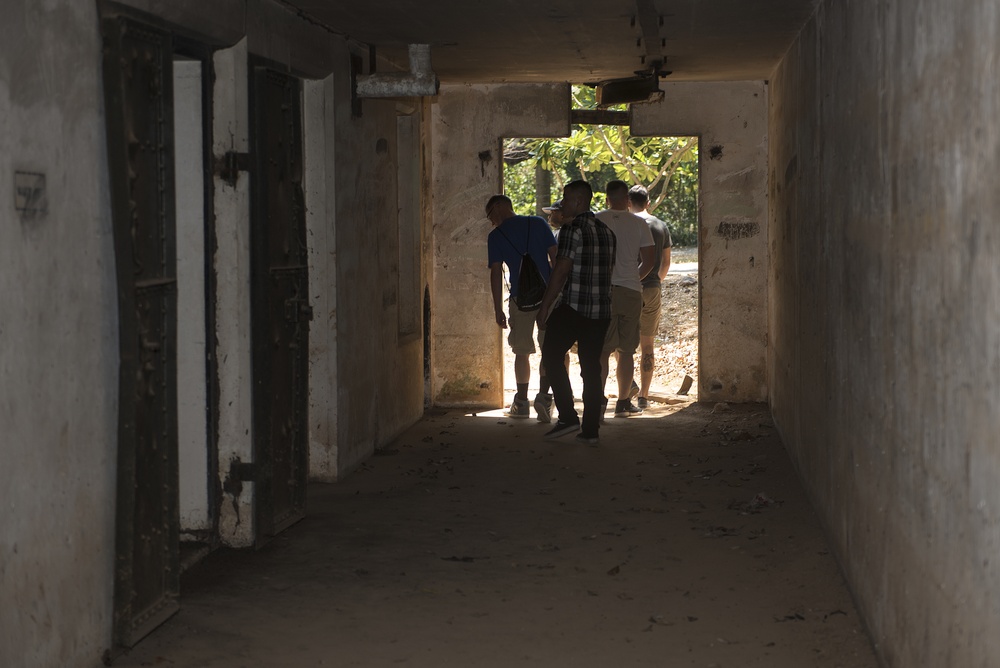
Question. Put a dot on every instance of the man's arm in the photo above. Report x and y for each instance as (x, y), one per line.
(647, 255)
(560, 272)
(664, 263)
(496, 287)
(552, 255)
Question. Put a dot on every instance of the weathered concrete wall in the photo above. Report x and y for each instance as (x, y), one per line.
(468, 124)
(380, 373)
(885, 320)
(231, 132)
(730, 120)
(58, 343)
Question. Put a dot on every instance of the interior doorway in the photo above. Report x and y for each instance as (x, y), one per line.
(534, 171)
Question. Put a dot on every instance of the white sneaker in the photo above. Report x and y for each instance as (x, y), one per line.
(519, 409)
(543, 407)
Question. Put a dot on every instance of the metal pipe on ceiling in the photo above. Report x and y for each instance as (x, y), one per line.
(420, 81)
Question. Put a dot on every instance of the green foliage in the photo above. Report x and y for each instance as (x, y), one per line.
(667, 166)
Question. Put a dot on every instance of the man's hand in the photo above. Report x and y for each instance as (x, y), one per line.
(560, 272)
(543, 315)
(496, 278)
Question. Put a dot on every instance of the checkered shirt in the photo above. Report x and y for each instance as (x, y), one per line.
(590, 244)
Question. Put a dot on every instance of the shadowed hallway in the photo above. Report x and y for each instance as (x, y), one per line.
(685, 539)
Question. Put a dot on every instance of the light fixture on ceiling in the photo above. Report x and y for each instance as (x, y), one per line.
(644, 87)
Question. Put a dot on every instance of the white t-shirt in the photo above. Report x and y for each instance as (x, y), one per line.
(631, 234)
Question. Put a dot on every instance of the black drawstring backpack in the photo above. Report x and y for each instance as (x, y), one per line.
(530, 284)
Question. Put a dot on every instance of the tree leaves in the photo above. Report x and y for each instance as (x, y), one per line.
(667, 166)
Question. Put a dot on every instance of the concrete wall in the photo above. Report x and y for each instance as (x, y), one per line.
(58, 343)
(468, 124)
(730, 120)
(231, 132)
(884, 349)
(381, 390)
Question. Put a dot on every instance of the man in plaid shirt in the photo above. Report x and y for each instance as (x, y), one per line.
(576, 308)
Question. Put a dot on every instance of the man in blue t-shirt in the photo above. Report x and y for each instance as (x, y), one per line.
(511, 237)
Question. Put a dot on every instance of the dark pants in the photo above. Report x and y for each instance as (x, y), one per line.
(565, 327)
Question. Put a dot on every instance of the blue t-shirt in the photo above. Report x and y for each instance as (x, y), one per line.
(508, 242)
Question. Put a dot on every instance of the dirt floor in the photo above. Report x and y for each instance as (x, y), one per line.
(683, 540)
(676, 345)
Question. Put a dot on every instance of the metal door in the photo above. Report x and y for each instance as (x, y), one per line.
(139, 114)
(279, 302)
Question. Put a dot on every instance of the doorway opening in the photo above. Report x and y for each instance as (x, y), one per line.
(534, 172)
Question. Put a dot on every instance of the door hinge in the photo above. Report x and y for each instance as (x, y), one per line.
(243, 471)
(229, 166)
(297, 310)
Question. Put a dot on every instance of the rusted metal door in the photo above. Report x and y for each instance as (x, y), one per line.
(139, 111)
(279, 302)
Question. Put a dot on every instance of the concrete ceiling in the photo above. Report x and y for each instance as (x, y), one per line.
(579, 41)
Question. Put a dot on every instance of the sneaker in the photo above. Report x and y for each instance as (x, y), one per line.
(589, 440)
(562, 428)
(633, 391)
(625, 408)
(519, 409)
(642, 403)
(543, 407)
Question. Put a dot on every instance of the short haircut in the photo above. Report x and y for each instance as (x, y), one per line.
(638, 195)
(580, 187)
(616, 188)
(498, 198)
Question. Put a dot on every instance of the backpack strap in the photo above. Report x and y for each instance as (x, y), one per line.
(527, 248)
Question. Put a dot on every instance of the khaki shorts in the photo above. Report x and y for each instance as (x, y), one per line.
(522, 327)
(649, 321)
(623, 332)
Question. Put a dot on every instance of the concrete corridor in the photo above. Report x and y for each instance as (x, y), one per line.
(685, 539)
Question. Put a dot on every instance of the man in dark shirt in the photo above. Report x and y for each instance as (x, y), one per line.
(649, 319)
(577, 309)
(513, 236)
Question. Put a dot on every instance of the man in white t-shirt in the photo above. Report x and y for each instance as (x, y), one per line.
(633, 259)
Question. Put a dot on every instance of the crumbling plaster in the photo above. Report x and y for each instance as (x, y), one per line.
(232, 268)
(884, 351)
